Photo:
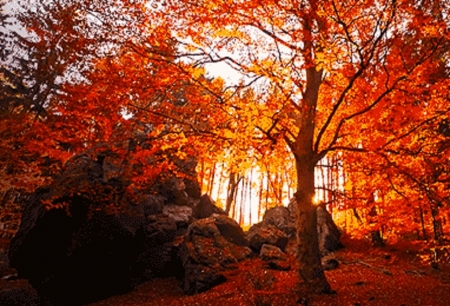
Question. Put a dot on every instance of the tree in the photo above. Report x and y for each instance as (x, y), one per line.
(320, 78)
(73, 72)
(41, 54)
(334, 65)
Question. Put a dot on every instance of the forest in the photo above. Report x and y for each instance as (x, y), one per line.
(235, 108)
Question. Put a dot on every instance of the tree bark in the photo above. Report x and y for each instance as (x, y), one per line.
(310, 265)
(422, 223)
(242, 204)
(231, 190)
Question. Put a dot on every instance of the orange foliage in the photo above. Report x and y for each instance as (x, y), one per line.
(364, 82)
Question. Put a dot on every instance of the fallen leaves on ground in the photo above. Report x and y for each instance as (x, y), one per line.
(366, 276)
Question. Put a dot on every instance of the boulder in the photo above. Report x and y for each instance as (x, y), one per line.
(206, 207)
(274, 257)
(71, 260)
(87, 237)
(230, 230)
(278, 228)
(210, 246)
(329, 233)
(157, 250)
(264, 233)
(174, 190)
(281, 217)
(180, 189)
(329, 262)
(18, 293)
(181, 215)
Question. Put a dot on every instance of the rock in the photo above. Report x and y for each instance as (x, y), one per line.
(192, 188)
(160, 229)
(71, 262)
(263, 280)
(174, 191)
(329, 263)
(201, 280)
(211, 245)
(206, 207)
(280, 217)
(188, 166)
(276, 259)
(157, 261)
(18, 293)
(97, 239)
(182, 215)
(263, 233)
(152, 204)
(230, 230)
(329, 234)
(157, 253)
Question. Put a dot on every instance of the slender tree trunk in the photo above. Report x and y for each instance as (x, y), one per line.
(231, 190)
(242, 204)
(267, 189)
(437, 224)
(280, 183)
(261, 188)
(331, 184)
(220, 183)
(212, 175)
(422, 223)
(202, 176)
(249, 190)
(234, 203)
(288, 183)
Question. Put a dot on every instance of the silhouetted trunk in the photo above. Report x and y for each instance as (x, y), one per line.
(267, 189)
(249, 190)
(437, 224)
(261, 188)
(211, 179)
(375, 234)
(422, 223)
(231, 190)
(242, 204)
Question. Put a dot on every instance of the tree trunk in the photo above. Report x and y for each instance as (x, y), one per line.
(231, 190)
(242, 204)
(212, 175)
(261, 188)
(267, 189)
(249, 195)
(310, 266)
(422, 223)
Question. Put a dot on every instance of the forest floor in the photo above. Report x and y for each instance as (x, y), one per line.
(391, 275)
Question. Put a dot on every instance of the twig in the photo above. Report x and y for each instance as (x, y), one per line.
(414, 272)
(362, 263)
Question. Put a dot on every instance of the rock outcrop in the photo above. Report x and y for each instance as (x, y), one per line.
(98, 239)
(211, 245)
